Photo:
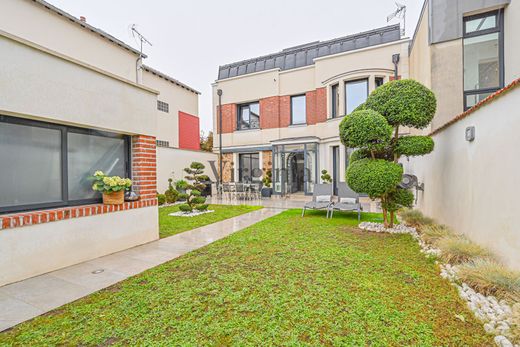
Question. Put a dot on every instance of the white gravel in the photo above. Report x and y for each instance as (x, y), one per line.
(495, 315)
(194, 213)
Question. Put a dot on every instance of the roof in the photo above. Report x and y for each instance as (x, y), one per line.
(89, 27)
(304, 55)
(493, 97)
(170, 79)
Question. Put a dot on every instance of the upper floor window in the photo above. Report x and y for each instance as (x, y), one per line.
(298, 109)
(163, 106)
(249, 116)
(356, 93)
(380, 81)
(483, 56)
(334, 93)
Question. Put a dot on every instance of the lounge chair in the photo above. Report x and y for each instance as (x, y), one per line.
(348, 200)
(321, 198)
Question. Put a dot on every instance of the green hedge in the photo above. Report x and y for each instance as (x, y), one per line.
(398, 199)
(414, 145)
(365, 129)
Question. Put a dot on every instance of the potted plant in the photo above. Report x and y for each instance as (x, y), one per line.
(267, 180)
(112, 187)
(325, 177)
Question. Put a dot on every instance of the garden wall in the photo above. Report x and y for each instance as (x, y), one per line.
(474, 187)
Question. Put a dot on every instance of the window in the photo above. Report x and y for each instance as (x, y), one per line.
(163, 106)
(483, 57)
(298, 110)
(380, 81)
(249, 167)
(356, 93)
(249, 116)
(161, 143)
(334, 99)
(65, 158)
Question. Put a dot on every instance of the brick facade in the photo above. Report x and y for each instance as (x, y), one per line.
(144, 179)
(275, 111)
(267, 160)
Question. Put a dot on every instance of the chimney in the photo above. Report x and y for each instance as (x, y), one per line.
(83, 19)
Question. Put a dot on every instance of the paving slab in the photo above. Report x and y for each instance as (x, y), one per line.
(32, 297)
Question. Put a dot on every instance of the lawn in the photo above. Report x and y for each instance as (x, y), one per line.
(285, 281)
(169, 225)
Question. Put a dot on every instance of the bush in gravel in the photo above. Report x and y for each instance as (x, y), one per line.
(373, 129)
(415, 218)
(161, 199)
(492, 278)
(458, 249)
(433, 233)
(193, 196)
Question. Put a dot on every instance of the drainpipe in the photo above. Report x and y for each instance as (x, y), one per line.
(219, 93)
(395, 60)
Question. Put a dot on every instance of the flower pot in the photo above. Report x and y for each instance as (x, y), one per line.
(266, 192)
(114, 198)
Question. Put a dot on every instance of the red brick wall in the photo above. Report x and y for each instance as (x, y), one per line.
(144, 167)
(189, 131)
(310, 98)
(270, 112)
(229, 118)
(321, 105)
(285, 111)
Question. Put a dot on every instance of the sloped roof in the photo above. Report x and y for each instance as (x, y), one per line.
(170, 79)
(304, 55)
(87, 26)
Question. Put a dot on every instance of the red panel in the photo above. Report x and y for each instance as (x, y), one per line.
(189, 131)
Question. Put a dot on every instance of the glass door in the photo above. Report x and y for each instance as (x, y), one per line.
(335, 168)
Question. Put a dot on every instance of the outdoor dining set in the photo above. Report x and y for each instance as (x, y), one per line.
(241, 191)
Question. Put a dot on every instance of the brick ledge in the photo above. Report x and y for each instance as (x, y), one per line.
(21, 219)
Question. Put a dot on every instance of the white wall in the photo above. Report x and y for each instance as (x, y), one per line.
(37, 84)
(172, 161)
(511, 46)
(473, 186)
(33, 250)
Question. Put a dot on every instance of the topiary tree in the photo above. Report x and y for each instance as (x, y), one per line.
(373, 129)
(194, 186)
(325, 176)
(171, 194)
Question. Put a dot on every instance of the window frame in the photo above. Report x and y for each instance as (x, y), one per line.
(64, 130)
(305, 115)
(499, 28)
(250, 159)
(239, 115)
(163, 106)
(379, 78)
(334, 101)
(365, 79)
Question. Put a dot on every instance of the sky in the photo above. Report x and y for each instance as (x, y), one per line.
(190, 39)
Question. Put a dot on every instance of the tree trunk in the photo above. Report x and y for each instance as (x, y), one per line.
(385, 218)
(392, 215)
(396, 137)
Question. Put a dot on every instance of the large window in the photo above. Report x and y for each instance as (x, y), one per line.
(249, 116)
(334, 99)
(298, 109)
(356, 93)
(483, 56)
(249, 167)
(49, 164)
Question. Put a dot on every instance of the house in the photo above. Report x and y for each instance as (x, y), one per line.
(68, 107)
(281, 111)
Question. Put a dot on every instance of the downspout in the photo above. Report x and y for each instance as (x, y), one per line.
(395, 60)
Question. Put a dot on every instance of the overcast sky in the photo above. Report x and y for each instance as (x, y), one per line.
(192, 38)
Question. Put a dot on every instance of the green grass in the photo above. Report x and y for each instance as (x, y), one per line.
(287, 281)
(169, 225)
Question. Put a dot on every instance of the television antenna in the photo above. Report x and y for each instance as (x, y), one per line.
(140, 37)
(400, 13)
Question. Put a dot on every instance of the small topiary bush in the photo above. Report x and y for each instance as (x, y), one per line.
(194, 198)
(414, 145)
(161, 199)
(373, 177)
(325, 177)
(365, 128)
(171, 193)
(404, 102)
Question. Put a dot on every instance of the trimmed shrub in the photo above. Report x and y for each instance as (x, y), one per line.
(458, 249)
(185, 208)
(404, 102)
(325, 177)
(415, 218)
(161, 199)
(414, 145)
(365, 129)
(358, 154)
(202, 207)
(491, 278)
(398, 199)
(373, 177)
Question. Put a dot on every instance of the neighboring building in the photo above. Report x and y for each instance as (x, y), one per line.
(466, 50)
(69, 106)
(281, 112)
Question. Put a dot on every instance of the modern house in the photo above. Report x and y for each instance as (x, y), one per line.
(281, 111)
(74, 100)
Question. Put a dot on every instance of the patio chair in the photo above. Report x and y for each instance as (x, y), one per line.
(321, 198)
(348, 200)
